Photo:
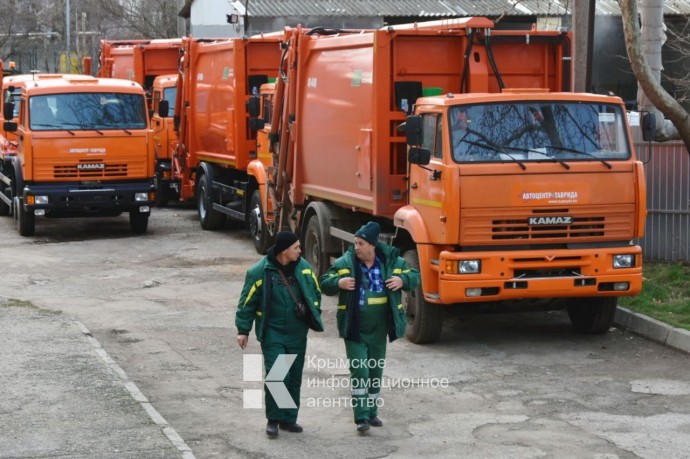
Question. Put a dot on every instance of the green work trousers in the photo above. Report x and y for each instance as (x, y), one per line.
(367, 357)
(292, 381)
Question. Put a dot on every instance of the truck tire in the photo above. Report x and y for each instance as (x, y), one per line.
(26, 221)
(314, 245)
(592, 315)
(424, 320)
(139, 221)
(257, 228)
(210, 220)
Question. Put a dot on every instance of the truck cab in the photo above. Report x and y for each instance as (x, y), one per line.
(83, 149)
(532, 195)
(164, 93)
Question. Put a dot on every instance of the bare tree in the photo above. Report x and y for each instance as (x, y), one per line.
(649, 76)
(678, 45)
(8, 11)
(144, 18)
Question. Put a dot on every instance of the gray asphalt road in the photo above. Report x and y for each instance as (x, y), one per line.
(162, 307)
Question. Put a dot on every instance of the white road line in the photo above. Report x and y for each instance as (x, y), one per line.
(136, 394)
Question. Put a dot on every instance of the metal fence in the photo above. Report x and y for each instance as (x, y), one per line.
(667, 171)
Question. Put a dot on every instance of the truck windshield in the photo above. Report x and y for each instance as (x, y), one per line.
(87, 111)
(538, 131)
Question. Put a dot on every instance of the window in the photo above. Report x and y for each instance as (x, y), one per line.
(538, 131)
(86, 111)
(170, 94)
(431, 130)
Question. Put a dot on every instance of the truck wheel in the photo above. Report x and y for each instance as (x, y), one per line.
(424, 320)
(139, 221)
(257, 227)
(26, 221)
(314, 245)
(209, 219)
(592, 315)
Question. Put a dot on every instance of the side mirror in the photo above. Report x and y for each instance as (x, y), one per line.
(8, 110)
(413, 130)
(256, 124)
(10, 126)
(254, 106)
(419, 156)
(163, 108)
(648, 126)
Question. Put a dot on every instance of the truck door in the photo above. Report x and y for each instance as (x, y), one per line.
(426, 183)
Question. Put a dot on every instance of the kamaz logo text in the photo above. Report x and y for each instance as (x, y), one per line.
(90, 166)
(562, 220)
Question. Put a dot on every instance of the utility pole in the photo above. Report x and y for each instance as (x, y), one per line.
(181, 22)
(583, 29)
(67, 31)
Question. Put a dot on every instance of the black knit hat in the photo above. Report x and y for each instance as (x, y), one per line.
(284, 239)
(369, 232)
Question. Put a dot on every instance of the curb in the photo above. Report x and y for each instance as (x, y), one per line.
(652, 329)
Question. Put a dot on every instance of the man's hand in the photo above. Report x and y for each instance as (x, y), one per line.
(346, 283)
(394, 283)
(242, 340)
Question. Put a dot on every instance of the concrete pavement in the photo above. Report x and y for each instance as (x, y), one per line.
(64, 397)
(653, 329)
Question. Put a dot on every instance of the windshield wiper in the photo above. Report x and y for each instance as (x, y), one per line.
(496, 150)
(580, 152)
(116, 126)
(532, 150)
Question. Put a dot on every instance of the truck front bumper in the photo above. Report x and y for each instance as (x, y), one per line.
(69, 199)
(516, 275)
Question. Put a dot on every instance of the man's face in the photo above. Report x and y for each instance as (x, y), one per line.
(293, 252)
(364, 250)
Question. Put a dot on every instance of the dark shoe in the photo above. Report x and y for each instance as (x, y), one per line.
(272, 429)
(375, 421)
(362, 426)
(291, 427)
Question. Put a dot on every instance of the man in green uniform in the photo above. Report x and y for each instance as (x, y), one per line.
(369, 278)
(268, 298)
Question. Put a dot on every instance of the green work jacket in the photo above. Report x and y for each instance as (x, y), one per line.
(256, 295)
(348, 300)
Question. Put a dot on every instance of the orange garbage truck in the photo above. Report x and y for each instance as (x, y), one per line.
(212, 163)
(139, 60)
(83, 149)
(164, 136)
(502, 187)
(10, 91)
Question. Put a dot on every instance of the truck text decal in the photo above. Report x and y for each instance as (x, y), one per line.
(552, 197)
(87, 150)
(91, 166)
(560, 220)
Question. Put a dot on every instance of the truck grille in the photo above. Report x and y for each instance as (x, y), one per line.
(520, 229)
(505, 225)
(74, 171)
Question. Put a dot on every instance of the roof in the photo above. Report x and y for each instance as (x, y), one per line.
(51, 83)
(431, 8)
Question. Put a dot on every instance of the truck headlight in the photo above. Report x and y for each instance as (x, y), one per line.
(469, 266)
(41, 199)
(141, 197)
(623, 261)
